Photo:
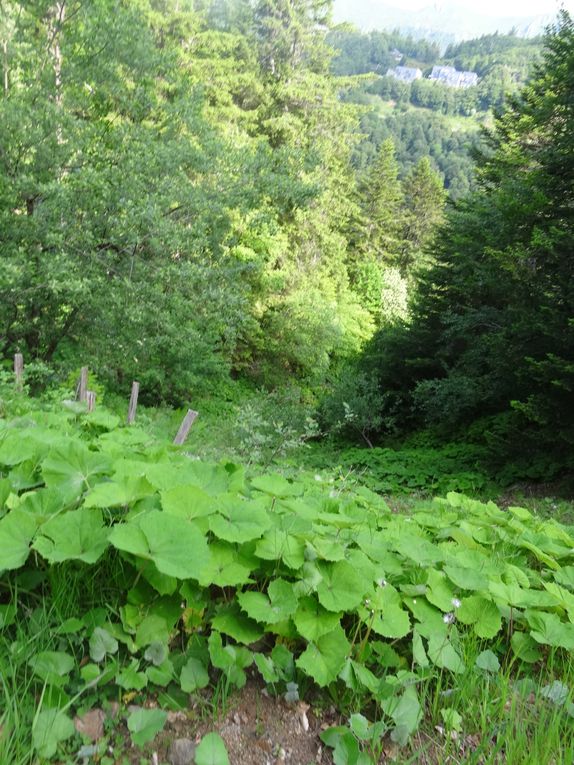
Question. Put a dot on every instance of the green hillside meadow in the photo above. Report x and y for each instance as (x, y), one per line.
(132, 570)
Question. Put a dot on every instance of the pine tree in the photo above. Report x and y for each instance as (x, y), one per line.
(290, 35)
(381, 229)
(425, 199)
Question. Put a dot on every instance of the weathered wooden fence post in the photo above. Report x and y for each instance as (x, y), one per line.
(185, 426)
(133, 402)
(83, 387)
(91, 400)
(19, 370)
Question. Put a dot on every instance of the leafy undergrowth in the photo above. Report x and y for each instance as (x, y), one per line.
(131, 571)
(423, 471)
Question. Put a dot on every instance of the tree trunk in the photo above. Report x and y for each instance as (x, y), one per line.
(5, 65)
(59, 15)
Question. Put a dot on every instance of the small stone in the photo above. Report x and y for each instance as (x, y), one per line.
(113, 710)
(302, 710)
(91, 724)
(182, 752)
(177, 716)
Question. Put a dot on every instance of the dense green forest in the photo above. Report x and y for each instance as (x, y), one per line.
(365, 289)
(178, 185)
(182, 184)
(182, 205)
(421, 116)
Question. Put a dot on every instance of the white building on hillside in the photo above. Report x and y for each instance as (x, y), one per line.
(452, 77)
(405, 73)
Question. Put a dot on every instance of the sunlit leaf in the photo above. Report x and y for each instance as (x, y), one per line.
(176, 547)
(52, 666)
(77, 535)
(50, 728)
(483, 614)
(324, 659)
(73, 469)
(341, 587)
(211, 751)
(145, 724)
(17, 530)
(193, 676)
(241, 522)
(313, 621)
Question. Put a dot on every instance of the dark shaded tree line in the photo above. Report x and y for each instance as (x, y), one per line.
(488, 352)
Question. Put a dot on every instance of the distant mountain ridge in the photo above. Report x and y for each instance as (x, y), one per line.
(441, 22)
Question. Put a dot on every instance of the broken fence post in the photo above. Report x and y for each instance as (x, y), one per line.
(91, 400)
(83, 386)
(185, 426)
(19, 370)
(133, 402)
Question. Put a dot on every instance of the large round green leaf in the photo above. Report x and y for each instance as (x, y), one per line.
(276, 485)
(483, 614)
(121, 491)
(176, 547)
(211, 751)
(240, 522)
(145, 724)
(313, 621)
(17, 530)
(78, 535)
(73, 469)
(324, 659)
(226, 567)
(187, 502)
(50, 727)
(341, 587)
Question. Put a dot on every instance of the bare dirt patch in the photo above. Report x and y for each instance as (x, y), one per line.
(258, 729)
(261, 730)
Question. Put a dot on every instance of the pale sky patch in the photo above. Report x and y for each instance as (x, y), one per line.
(496, 8)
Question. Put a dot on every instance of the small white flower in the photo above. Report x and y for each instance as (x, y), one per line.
(414, 600)
(367, 601)
(455, 603)
(382, 582)
(448, 618)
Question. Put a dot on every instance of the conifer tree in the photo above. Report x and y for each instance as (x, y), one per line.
(382, 207)
(290, 34)
(425, 199)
